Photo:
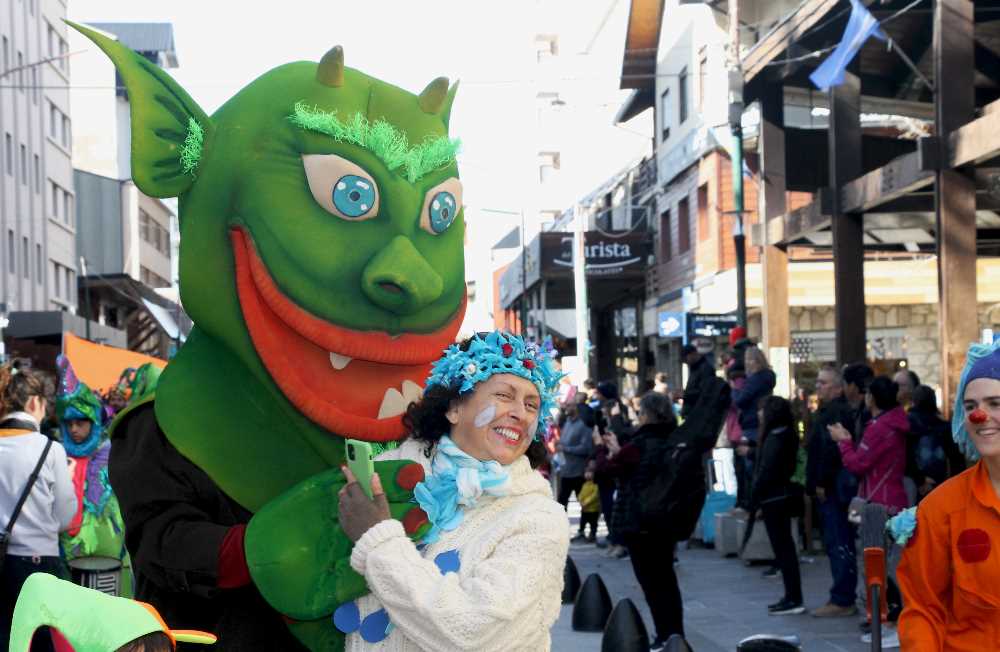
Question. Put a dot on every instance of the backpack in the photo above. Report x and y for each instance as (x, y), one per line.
(673, 500)
(673, 493)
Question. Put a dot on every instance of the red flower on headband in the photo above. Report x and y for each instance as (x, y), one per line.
(529, 364)
(507, 350)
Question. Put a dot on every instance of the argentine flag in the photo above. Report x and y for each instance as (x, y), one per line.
(860, 26)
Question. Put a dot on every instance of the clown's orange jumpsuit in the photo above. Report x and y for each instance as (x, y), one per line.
(950, 571)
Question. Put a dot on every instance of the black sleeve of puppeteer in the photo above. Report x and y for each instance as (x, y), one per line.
(175, 516)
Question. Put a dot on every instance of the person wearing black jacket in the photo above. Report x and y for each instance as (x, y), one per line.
(184, 535)
(700, 371)
(931, 454)
(777, 456)
(825, 480)
(652, 553)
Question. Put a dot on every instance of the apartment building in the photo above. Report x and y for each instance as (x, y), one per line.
(37, 202)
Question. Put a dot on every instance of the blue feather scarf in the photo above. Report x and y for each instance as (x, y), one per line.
(456, 481)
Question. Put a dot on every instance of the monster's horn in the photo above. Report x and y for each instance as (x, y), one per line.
(331, 68)
(433, 97)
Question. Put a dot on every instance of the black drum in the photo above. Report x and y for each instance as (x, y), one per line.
(102, 574)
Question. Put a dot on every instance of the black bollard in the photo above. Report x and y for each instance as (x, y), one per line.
(625, 631)
(593, 605)
(676, 643)
(571, 582)
(769, 643)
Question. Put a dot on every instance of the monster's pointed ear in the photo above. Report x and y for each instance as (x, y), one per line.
(169, 129)
(446, 111)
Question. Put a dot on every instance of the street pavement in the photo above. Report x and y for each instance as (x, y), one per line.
(724, 602)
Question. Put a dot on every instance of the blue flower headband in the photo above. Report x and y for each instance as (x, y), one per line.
(498, 353)
(980, 363)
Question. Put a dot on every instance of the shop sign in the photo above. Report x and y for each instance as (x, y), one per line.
(603, 255)
(711, 325)
(672, 324)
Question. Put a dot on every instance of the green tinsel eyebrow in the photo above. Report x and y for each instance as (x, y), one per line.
(387, 142)
(192, 148)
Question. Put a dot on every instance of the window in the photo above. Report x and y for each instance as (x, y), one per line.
(34, 86)
(665, 115)
(67, 208)
(546, 46)
(11, 262)
(53, 120)
(25, 260)
(24, 164)
(20, 72)
(548, 162)
(703, 215)
(39, 272)
(63, 51)
(65, 132)
(6, 54)
(57, 268)
(145, 223)
(31, 7)
(55, 199)
(38, 175)
(702, 76)
(665, 235)
(70, 285)
(9, 148)
(682, 96)
(683, 226)
(52, 42)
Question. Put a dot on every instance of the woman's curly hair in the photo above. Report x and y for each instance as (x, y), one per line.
(426, 420)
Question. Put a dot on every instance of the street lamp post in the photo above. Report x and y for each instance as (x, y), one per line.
(4, 322)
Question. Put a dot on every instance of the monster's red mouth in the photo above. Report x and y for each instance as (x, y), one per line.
(353, 383)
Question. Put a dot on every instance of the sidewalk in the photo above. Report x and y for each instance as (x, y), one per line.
(724, 602)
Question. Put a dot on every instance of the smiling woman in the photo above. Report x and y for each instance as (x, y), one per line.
(488, 573)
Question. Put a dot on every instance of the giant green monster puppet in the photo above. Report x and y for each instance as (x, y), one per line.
(321, 261)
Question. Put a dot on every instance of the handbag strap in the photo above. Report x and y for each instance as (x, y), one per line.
(880, 483)
(28, 486)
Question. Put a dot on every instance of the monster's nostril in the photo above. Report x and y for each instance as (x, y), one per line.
(390, 287)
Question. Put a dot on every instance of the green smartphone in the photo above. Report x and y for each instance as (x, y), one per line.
(360, 461)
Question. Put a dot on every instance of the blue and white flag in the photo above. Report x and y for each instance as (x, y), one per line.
(860, 26)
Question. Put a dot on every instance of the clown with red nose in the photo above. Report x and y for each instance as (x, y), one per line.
(950, 571)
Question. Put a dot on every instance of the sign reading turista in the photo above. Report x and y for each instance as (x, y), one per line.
(603, 255)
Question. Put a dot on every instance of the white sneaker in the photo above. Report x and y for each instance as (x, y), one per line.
(890, 637)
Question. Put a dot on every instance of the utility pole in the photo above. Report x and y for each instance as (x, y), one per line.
(86, 296)
(580, 290)
(524, 281)
(735, 116)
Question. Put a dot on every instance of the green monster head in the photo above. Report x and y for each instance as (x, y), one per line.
(321, 257)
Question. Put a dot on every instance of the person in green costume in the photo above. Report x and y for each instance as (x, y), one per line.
(322, 265)
(84, 620)
(97, 530)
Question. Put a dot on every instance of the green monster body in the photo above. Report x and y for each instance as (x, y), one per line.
(277, 276)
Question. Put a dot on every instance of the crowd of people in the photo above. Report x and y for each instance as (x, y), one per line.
(57, 508)
(852, 451)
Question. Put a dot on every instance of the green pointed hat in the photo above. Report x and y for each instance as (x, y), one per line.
(89, 620)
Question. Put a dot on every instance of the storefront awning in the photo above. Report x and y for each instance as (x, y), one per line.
(100, 366)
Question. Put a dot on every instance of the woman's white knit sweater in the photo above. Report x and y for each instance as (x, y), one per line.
(507, 593)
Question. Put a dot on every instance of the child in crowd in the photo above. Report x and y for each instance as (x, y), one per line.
(590, 506)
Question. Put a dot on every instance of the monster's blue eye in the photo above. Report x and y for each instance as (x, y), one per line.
(443, 210)
(353, 195)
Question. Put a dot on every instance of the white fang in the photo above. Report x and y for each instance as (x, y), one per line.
(338, 361)
(393, 404)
